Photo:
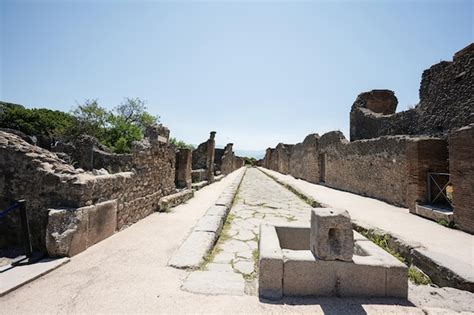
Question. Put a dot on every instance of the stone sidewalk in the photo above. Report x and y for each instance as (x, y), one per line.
(443, 250)
(259, 200)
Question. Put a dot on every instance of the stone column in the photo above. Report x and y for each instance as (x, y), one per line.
(183, 168)
(211, 145)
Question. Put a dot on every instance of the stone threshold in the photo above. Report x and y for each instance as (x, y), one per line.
(197, 246)
(413, 253)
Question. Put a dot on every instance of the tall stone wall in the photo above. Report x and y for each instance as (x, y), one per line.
(283, 155)
(461, 158)
(304, 162)
(45, 181)
(446, 103)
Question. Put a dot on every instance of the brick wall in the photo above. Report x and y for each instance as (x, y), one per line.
(461, 157)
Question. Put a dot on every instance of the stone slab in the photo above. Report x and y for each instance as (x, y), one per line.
(214, 283)
(210, 223)
(217, 210)
(21, 275)
(434, 213)
(174, 200)
(102, 221)
(192, 251)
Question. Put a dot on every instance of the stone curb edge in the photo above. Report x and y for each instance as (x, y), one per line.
(200, 242)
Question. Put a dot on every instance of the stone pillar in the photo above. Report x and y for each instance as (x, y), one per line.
(211, 145)
(183, 168)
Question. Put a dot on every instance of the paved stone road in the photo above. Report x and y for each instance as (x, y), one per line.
(260, 200)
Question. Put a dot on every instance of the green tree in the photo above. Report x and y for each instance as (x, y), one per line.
(133, 111)
(92, 119)
(180, 144)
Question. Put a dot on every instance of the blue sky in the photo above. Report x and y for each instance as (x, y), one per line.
(258, 73)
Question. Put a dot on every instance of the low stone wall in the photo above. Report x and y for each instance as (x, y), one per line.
(45, 181)
(461, 158)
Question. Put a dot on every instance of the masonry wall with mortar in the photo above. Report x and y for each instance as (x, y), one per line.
(304, 162)
(446, 103)
(45, 181)
(230, 162)
(183, 168)
(461, 158)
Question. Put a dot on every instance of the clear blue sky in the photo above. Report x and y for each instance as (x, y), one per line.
(257, 73)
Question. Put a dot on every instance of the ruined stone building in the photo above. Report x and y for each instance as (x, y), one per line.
(421, 158)
(73, 207)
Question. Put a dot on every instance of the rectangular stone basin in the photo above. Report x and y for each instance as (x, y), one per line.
(288, 268)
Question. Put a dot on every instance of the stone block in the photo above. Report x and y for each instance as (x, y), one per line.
(217, 210)
(66, 232)
(210, 223)
(192, 251)
(305, 275)
(270, 278)
(331, 235)
(360, 279)
(396, 281)
(102, 221)
(225, 199)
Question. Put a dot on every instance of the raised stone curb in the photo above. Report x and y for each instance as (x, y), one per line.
(197, 246)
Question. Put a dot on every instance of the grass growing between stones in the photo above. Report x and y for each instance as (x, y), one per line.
(313, 203)
(414, 274)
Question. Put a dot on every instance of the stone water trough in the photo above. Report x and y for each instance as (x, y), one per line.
(326, 259)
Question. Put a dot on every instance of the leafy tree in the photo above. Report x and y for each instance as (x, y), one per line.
(180, 144)
(92, 119)
(133, 111)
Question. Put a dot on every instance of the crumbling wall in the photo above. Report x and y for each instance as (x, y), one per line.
(203, 157)
(230, 162)
(283, 154)
(461, 158)
(218, 153)
(87, 153)
(304, 162)
(446, 103)
(45, 181)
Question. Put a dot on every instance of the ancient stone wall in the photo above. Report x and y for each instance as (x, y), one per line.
(45, 181)
(446, 103)
(283, 154)
(203, 157)
(461, 158)
(230, 162)
(218, 153)
(374, 168)
(304, 159)
(183, 168)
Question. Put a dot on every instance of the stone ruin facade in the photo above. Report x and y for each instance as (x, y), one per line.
(230, 162)
(209, 161)
(73, 207)
(391, 154)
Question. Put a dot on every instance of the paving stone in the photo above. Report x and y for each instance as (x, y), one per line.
(247, 254)
(219, 267)
(224, 257)
(214, 283)
(210, 223)
(244, 235)
(234, 246)
(245, 267)
(193, 250)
